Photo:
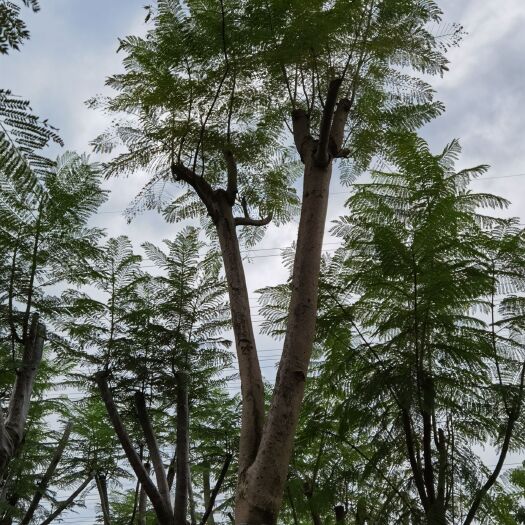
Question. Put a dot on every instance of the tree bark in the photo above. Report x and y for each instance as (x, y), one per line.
(163, 510)
(252, 387)
(46, 478)
(143, 500)
(12, 429)
(65, 504)
(153, 447)
(260, 494)
(102, 487)
(182, 463)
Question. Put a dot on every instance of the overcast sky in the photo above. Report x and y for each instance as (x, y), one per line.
(73, 49)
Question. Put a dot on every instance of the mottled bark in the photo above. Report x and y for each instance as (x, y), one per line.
(48, 475)
(260, 494)
(12, 427)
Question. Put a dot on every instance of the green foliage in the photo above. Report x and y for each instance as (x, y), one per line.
(209, 77)
(13, 30)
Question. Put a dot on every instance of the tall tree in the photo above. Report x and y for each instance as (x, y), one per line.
(212, 117)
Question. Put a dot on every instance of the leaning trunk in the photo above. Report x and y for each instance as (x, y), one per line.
(252, 387)
(260, 497)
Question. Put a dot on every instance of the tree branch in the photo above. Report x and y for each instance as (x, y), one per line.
(46, 478)
(11, 433)
(153, 447)
(511, 423)
(64, 505)
(247, 220)
(322, 156)
(301, 132)
(216, 490)
(231, 167)
(163, 511)
(337, 133)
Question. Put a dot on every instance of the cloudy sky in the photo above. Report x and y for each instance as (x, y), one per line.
(73, 49)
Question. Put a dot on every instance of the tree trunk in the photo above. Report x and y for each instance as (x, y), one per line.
(12, 429)
(44, 482)
(102, 487)
(181, 480)
(206, 489)
(252, 387)
(143, 500)
(260, 497)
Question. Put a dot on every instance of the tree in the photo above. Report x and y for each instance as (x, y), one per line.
(212, 117)
(420, 261)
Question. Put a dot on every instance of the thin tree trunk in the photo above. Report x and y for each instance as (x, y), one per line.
(44, 482)
(252, 386)
(143, 500)
(209, 507)
(206, 491)
(191, 499)
(12, 429)
(162, 508)
(102, 487)
(65, 504)
(182, 481)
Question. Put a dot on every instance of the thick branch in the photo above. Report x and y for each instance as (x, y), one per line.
(69, 501)
(199, 184)
(247, 220)
(322, 157)
(183, 421)
(153, 447)
(46, 478)
(337, 133)
(216, 489)
(301, 132)
(163, 512)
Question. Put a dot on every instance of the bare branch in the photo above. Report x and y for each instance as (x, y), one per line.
(247, 220)
(69, 501)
